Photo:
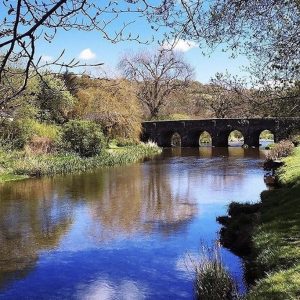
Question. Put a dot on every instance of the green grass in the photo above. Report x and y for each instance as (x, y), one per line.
(290, 172)
(277, 238)
(18, 165)
(11, 177)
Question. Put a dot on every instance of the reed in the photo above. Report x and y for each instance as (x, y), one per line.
(213, 282)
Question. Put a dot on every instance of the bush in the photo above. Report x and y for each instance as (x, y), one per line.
(20, 132)
(82, 137)
(283, 149)
(13, 134)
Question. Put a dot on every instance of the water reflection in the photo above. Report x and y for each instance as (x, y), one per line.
(105, 290)
(172, 201)
(31, 219)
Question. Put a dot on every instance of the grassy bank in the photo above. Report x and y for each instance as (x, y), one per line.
(15, 165)
(277, 237)
(267, 236)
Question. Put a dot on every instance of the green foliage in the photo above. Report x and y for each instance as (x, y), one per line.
(18, 163)
(17, 133)
(267, 235)
(123, 142)
(112, 105)
(50, 131)
(83, 137)
(289, 174)
(54, 100)
(266, 135)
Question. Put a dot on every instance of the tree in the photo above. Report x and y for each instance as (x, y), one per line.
(225, 96)
(268, 32)
(112, 104)
(54, 101)
(230, 96)
(157, 76)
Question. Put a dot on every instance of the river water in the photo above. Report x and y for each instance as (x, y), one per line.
(123, 232)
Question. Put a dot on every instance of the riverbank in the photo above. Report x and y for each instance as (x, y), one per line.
(268, 235)
(17, 165)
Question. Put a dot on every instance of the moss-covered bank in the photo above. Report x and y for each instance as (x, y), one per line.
(267, 236)
(16, 165)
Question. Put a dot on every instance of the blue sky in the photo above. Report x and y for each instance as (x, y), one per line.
(93, 49)
(97, 49)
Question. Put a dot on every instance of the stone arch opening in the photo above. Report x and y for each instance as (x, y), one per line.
(266, 137)
(205, 139)
(176, 140)
(235, 138)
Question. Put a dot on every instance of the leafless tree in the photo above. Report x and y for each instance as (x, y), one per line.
(225, 96)
(230, 96)
(157, 75)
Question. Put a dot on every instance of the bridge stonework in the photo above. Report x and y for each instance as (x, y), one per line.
(189, 130)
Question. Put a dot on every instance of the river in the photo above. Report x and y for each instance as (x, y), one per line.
(124, 232)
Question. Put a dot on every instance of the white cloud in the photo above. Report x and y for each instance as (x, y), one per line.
(180, 45)
(87, 54)
(46, 58)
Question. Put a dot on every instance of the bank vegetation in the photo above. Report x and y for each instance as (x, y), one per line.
(266, 236)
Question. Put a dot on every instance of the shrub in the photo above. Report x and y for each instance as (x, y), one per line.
(82, 137)
(17, 133)
(283, 149)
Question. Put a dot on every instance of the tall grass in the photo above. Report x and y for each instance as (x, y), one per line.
(213, 282)
(19, 163)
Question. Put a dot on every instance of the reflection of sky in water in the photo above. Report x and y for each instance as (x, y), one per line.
(125, 232)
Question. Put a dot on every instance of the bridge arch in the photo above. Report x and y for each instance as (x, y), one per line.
(176, 140)
(235, 138)
(193, 138)
(266, 137)
(205, 138)
(167, 138)
(254, 137)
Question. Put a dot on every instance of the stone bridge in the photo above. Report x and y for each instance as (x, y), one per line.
(161, 132)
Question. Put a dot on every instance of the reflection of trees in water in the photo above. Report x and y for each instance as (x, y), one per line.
(31, 220)
(136, 199)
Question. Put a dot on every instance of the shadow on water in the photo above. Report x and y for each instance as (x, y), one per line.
(152, 212)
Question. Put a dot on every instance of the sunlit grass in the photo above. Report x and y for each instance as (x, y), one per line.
(20, 164)
(277, 239)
